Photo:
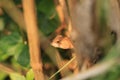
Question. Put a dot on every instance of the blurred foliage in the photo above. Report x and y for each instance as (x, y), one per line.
(47, 16)
(16, 76)
(2, 75)
(112, 74)
(30, 75)
(14, 49)
(13, 43)
(10, 45)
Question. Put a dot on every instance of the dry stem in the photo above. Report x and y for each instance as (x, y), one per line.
(11, 9)
(33, 38)
(6, 69)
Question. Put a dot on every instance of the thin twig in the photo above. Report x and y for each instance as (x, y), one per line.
(11, 9)
(6, 69)
(33, 38)
(60, 64)
(59, 10)
(62, 68)
(92, 72)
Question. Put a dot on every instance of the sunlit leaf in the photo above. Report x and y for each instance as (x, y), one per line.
(30, 75)
(16, 76)
(2, 75)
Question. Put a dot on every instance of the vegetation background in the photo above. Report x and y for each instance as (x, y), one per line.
(16, 55)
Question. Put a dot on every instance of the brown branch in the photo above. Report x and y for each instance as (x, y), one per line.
(1, 11)
(33, 38)
(45, 43)
(60, 64)
(63, 13)
(11, 9)
(13, 12)
(6, 69)
(59, 10)
(68, 26)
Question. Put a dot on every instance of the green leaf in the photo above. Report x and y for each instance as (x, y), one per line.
(16, 76)
(10, 45)
(23, 58)
(47, 26)
(47, 17)
(2, 75)
(30, 75)
(46, 7)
